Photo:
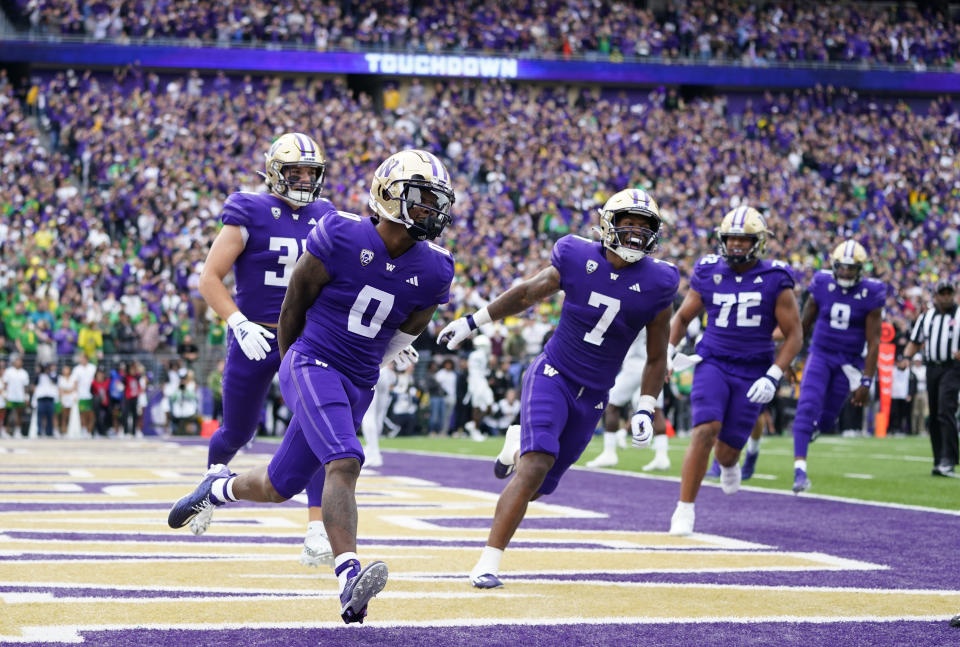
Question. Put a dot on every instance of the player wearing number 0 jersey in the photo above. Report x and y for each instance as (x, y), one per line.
(262, 237)
(612, 290)
(361, 293)
(844, 311)
(745, 298)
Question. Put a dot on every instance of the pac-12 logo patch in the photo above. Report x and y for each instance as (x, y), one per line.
(365, 256)
(717, 278)
(591, 266)
(276, 212)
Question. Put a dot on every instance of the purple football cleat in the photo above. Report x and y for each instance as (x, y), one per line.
(360, 589)
(487, 581)
(749, 464)
(800, 481)
(200, 500)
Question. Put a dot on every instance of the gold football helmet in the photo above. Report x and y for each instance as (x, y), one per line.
(630, 243)
(847, 260)
(747, 222)
(294, 149)
(413, 179)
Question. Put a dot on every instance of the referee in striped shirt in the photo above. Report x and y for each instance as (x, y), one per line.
(937, 331)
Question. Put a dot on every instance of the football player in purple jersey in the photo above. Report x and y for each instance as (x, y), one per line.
(262, 237)
(612, 290)
(843, 310)
(745, 298)
(361, 293)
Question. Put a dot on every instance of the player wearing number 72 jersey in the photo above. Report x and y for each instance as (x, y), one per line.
(612, 290)
(745, 298)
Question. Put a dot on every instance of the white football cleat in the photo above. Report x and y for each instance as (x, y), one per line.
(660, 463)
(316, 549)
(730, 478)
(605, 459)
(681, 523)
(475, 434)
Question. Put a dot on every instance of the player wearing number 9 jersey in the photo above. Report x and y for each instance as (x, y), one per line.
(844, 311)
(361, 293)
(745, 298)
(612, 290)
(262, 237)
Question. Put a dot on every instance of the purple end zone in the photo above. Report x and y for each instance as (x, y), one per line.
(868, 634)
(917, 548)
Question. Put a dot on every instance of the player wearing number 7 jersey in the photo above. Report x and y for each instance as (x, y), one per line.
(361, 293)
(262, 237)
(745, 298)
(843, 310)
(612, 290)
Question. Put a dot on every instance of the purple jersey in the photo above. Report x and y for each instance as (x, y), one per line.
(842, 313)
(741, 311)
(274, 236)
(369, 294)
(603, 309)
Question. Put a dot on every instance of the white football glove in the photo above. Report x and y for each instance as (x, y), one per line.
(251, 337)
(641, 423)
(457, 331)
(405, 359)
(854, 375)
(765, 388)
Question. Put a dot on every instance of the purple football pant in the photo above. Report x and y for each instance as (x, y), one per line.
(823, 390)
(327, 411)
(557, 417)
(245, 386)
(718, 395)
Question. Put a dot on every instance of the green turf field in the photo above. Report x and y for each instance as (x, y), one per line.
(895, 470)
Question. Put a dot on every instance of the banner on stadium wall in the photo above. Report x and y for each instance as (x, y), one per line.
(885, 362)
(456, 66)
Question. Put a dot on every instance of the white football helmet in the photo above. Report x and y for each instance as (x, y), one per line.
(294, 149)
(847, 260)
(408, 179)
(743, 221)
(630, 243)
(481, 342)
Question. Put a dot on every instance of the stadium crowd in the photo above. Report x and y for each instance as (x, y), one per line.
(755, 33)
(112, 187)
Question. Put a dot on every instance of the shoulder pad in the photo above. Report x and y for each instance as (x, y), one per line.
(437, 248)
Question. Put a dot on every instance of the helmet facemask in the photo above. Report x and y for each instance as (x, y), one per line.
(851, 273)
(633, 242)
(752, 254)
(298, 193)
(424, 196)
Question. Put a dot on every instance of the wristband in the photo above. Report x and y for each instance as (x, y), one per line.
(775, 373)
(646, 403)
(866, 381)
(479, 318)
(671, 352)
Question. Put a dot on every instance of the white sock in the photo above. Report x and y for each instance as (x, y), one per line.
(753, 446)
(346, 573)
(489, 562)
(728, 470)
(609, 442)
(800, 463)
(507, 455)
(683, 505)
(315, 526)
(222, 489)
(660, 444)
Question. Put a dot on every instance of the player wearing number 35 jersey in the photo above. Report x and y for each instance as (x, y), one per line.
(612, 290)
(262, 237)
(361, 293)
(745, 298)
